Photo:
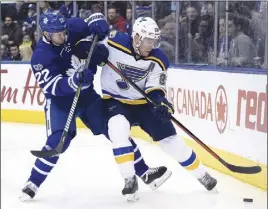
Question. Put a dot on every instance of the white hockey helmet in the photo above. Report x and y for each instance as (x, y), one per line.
(148, 32)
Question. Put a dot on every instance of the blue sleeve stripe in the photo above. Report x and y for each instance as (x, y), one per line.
(123, 150)
(190, 160)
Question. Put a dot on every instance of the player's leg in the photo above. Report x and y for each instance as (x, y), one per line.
(153, 177)
(93, 118)
(56, 116)
(118, 125)
(165, 134)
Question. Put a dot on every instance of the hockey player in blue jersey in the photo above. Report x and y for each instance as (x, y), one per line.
(140, 59)
(56, 70)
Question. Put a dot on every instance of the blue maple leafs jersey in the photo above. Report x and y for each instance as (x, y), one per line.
(53, 65)
(149, 73)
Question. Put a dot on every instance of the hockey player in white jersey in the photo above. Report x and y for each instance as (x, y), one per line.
(140, 59)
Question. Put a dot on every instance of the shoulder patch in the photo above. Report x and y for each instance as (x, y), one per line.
(163, 79)
(112, 34)
(38, 67)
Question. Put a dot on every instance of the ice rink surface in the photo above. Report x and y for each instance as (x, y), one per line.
(86, 177)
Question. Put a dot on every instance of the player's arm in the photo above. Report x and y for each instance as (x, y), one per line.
(49, 77)
(79, 29)
(155, 87)
(99, 56)
(97, 25)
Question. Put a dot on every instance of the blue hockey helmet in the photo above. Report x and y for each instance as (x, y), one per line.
(53, 23)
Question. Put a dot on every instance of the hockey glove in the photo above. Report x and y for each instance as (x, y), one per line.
(164, 109)
(85, 78)
(100, 55)
(98, 25)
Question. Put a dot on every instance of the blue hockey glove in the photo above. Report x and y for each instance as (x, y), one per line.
(164, 109)
(85, 78)
(100, 55)
(98, 25)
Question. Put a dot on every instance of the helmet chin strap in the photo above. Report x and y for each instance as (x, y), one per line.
(136, 46)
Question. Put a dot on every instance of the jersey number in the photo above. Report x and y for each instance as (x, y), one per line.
(42, 76)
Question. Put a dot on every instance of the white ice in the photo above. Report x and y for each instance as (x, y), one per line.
(86, 177)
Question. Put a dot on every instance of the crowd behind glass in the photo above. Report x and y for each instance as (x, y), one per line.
(213, 33)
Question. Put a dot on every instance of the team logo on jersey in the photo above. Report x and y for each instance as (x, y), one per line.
(62, 20)
(45, 20)
(38, 67)
(133, 73)
(77, 64)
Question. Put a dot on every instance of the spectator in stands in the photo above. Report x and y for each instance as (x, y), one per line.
(257, 31)
(242, 50)
(26, 40)
(67, 9)
(169, 51)
(129, 19)
(4, 54)
(221, 55)
(55, 6)
(45, 7)
(30, 21)
(143, 9)
(188, 29)
(14, 52)
(116, 21)
(84, 12)
(11, 32)
(26, 52)
(190, 23)
(17, 10)
(168, 33)
(202, 41)
(97, 8)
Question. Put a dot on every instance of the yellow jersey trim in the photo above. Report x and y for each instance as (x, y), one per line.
(126, 101)
(120, 47)
(155, 88)
(84, 39)
(158, 61)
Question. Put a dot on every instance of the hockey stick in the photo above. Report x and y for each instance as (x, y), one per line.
(234, 168)
(59, 148)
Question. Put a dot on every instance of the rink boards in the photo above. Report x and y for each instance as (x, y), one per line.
(227, 111)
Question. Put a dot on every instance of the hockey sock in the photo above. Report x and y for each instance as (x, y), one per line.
(119, 131)
(186, 157)
(139, 163)
(41, 169)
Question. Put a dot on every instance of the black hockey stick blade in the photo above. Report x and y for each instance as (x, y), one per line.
(241, 169)
(53, 152)
(43, 154)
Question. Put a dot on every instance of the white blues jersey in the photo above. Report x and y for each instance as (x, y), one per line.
(148, 73)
